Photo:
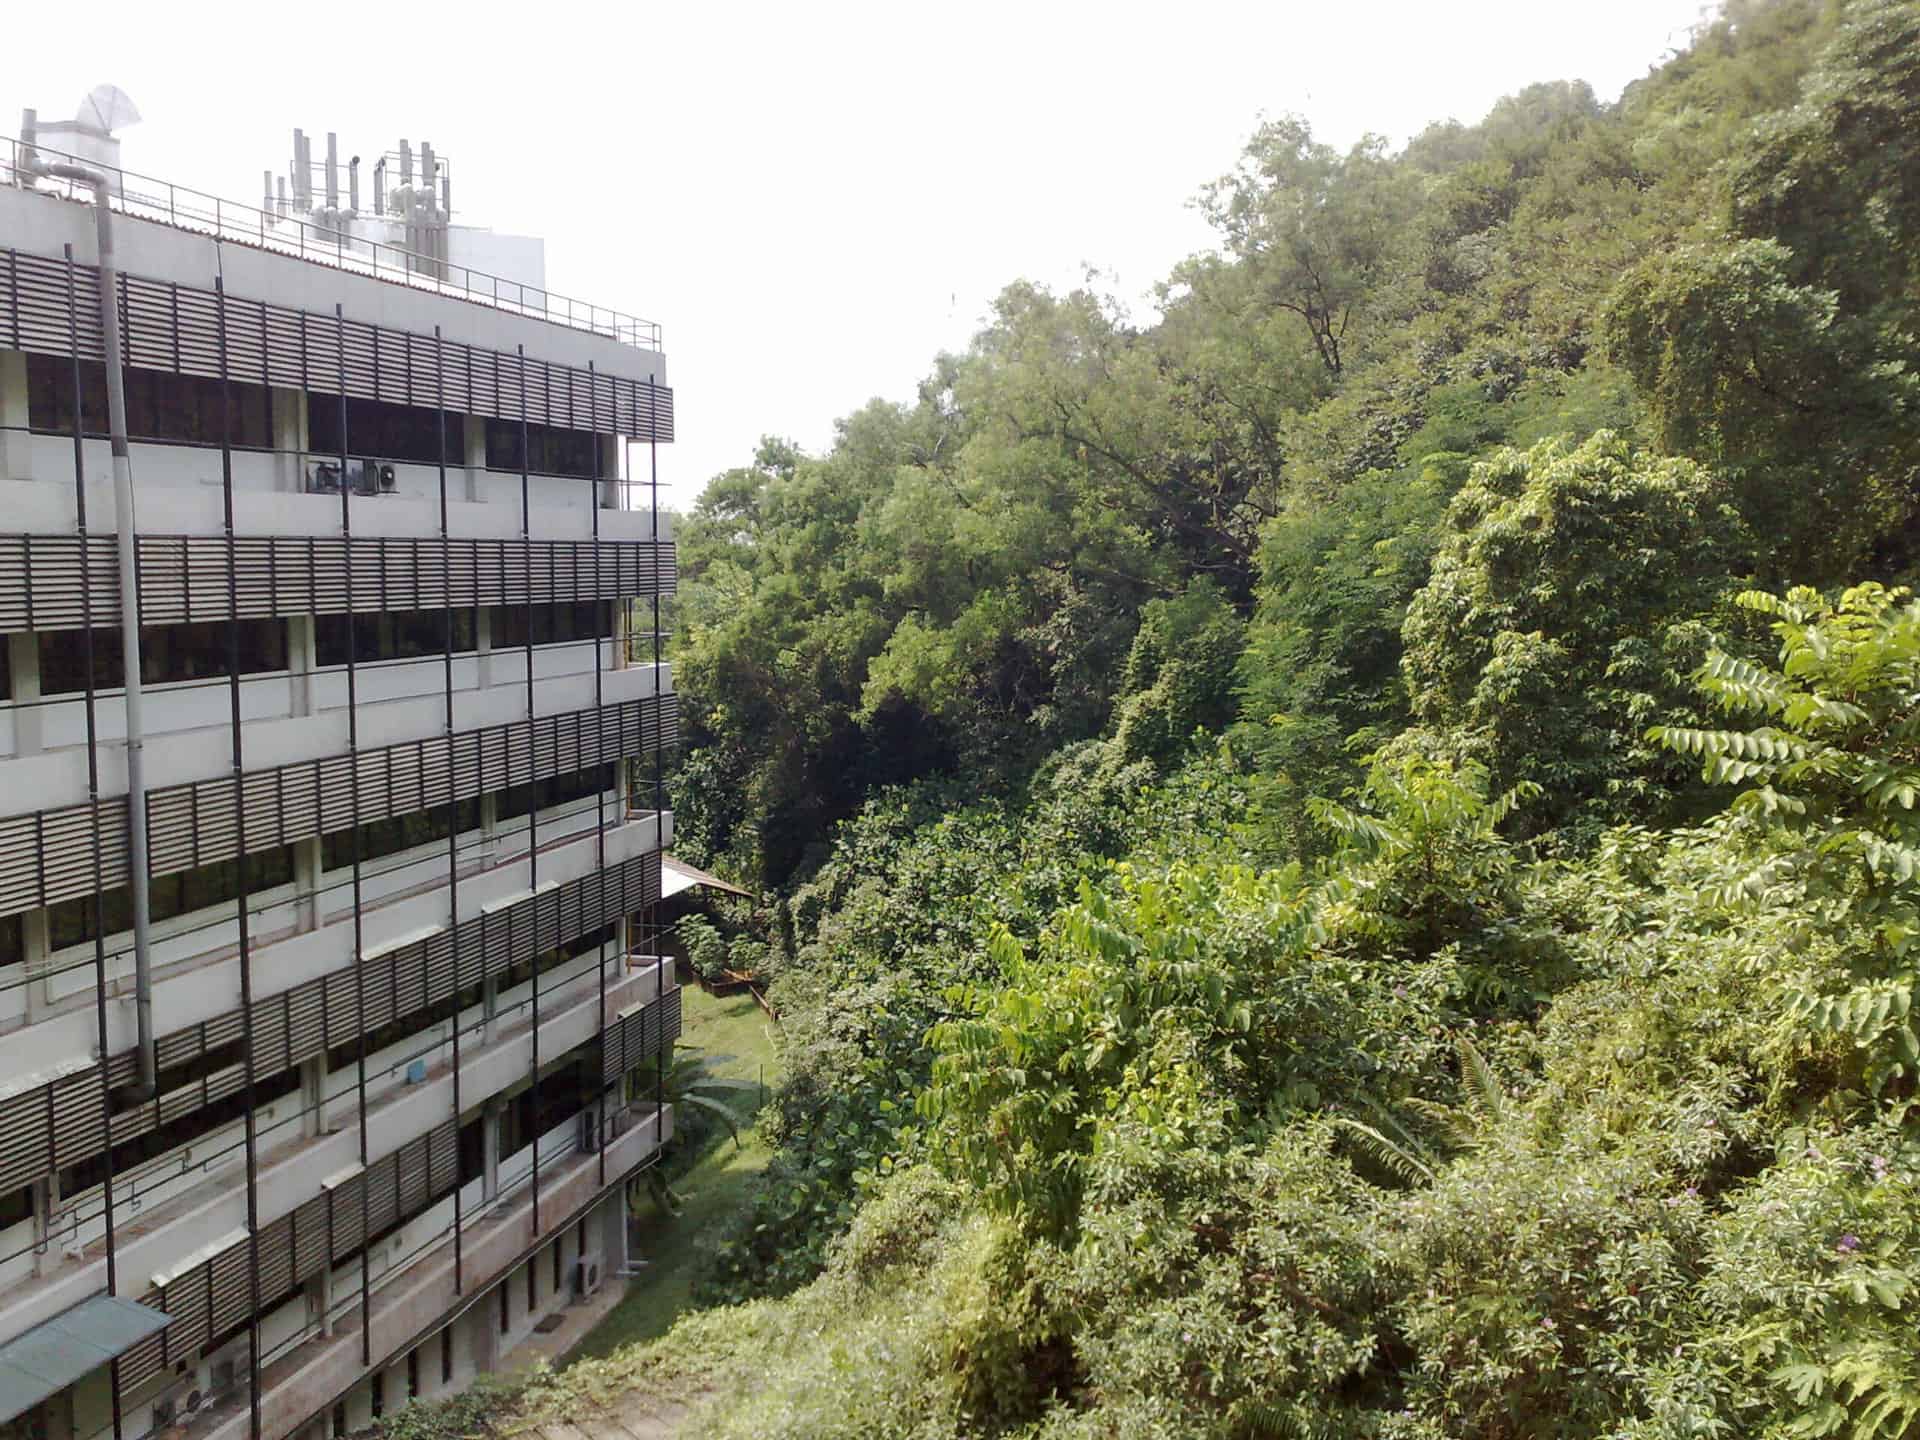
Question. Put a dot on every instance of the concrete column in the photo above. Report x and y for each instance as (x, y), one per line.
(610, 470)
(302, 661)
(483, 643)
(486, 1331)
(491, 1116)
(306, 879)
(23, 668)
(36, 949)
(320, 1299)
(476, 437)
(15, 444)
(290, 439)
(313, 1094)
(46, 1256)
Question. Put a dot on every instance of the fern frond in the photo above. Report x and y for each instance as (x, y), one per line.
(1485, 1098)
(1395, 1159)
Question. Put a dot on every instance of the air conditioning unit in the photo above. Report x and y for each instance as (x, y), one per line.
(195, 1399)
(586, 1277)
(363, 477)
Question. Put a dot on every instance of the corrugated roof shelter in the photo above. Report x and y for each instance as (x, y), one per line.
(52, 1355)
(677, 875)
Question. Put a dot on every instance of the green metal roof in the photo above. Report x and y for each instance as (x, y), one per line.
(57, 1352)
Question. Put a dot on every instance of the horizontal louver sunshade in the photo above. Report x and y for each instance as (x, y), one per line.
(216, 1296)
(53, 1126)
(184, 577)
(638, 1037)
(176, 328)
(49, 856)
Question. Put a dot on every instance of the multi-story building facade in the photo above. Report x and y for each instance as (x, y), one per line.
(361, 1101)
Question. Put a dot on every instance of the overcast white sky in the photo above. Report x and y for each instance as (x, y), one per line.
(812, 199)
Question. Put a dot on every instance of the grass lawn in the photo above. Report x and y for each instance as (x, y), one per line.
(733, 1027)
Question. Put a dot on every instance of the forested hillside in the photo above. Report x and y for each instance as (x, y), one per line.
(1343, 862)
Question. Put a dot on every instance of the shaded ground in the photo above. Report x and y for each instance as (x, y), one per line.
(736, 1028)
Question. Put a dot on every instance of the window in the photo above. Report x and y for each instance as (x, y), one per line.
(382, 431)
(533, 1287)
(12, 941)
(168, 653)
(15, 1206)
(379, 838)
(160, 405)
(413, 1373)
(506, 1318)
(398, 635)
(517, 800)
(550, 450)
(511, 625)
(556, 1266)
(446, 1356)
(181, 1130)
(379, 1392)
(339, 1419)
(72, 921)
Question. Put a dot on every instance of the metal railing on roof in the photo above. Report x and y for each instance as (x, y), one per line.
(148, 198)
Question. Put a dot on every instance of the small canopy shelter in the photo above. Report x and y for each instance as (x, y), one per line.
(39, 1363)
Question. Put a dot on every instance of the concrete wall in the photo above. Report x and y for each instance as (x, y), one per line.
(413, 1299)
(189, 987)
(206, 1199)
(43, 224)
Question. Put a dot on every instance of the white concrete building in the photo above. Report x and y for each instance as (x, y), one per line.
(401, 703)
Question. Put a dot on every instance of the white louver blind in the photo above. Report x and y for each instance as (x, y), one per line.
(48, 856)
(175, 328)
(56, 1125)
(633, 1039)
(184, 577)
(215, 1296)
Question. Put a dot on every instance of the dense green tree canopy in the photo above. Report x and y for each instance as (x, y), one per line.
(1341, 857)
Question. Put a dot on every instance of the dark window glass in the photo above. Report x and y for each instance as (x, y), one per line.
(509, 626)
(473, 1149)
(12, 946)
(549, 450)
(556, 1267)
(16, 1205)
(396, 635)
(339, 1419)
(182, 1130)
(379, 1394)
(168, 654)
(517, 800)
(506, 1303)
(446, 1356)
(379, 430)
(160, 405)
(533, 1287)
(70, 922)
(413, 1373)
(401, 832)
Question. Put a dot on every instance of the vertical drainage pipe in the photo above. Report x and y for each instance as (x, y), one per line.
(129, 569)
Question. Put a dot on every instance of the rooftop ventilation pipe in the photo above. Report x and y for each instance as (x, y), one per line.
(129, 597)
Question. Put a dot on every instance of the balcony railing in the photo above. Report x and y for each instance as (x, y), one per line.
(147, 198)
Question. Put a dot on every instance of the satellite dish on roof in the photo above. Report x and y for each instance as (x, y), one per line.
(108, 108)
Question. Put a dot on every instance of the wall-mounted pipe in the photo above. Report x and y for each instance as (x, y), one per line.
(123, 522)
